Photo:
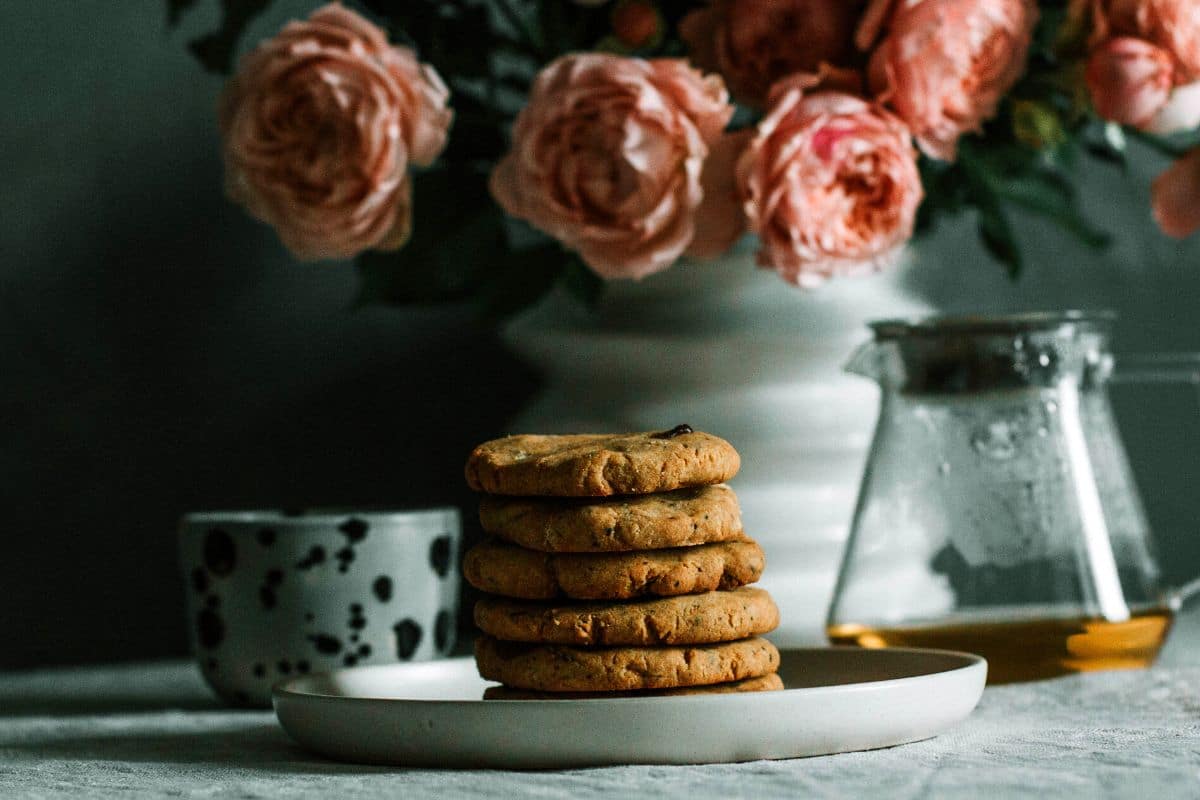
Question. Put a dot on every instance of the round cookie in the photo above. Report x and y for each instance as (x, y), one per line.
(688, 619)
(766, 683)
(505, 569)
(616, 524)
(558, 668)
(599, 465)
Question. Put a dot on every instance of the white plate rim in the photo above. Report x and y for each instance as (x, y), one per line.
(283, 689)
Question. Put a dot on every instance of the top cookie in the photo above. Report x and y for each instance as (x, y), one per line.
(600, 465)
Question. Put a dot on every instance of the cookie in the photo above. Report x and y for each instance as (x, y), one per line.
(559, 668)
(689, 619)
(616, 524)
(766, 683)
(679, 518)
(599, 465)
(511, 571)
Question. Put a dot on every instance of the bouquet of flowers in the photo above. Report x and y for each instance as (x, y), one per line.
(487, 149)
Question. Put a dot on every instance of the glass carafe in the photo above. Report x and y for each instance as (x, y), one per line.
(998, 513)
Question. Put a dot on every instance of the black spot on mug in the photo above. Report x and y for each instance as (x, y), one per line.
(272, 596)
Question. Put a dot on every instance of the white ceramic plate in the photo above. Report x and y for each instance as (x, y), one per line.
(430, 714)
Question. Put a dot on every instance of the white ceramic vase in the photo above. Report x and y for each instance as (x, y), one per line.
(732, 350)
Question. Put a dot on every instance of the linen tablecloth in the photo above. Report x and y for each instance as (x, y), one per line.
(153, 730)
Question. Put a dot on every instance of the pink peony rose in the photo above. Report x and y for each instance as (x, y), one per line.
(830, 184)
(320, 125)
(754, 43)
(943, 65)
(1175, 197)
(1129, 80)
(607, 158)
(1173, 25)
(1181, 113)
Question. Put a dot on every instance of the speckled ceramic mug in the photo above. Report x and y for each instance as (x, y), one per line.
(270, 595)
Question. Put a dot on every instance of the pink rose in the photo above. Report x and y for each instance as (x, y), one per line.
(1173, 25)
(320, 125)
(607, 158)
(830, 184)
(1175, 197)
(943, 65)
(1129, 80)
(1181, 113)
(754, 43)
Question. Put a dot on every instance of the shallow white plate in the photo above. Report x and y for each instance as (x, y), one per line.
(431, 714)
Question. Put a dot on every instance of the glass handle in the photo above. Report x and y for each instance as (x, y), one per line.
(1157, 368)
(1185, 594)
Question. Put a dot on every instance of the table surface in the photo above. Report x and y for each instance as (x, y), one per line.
(149, 730)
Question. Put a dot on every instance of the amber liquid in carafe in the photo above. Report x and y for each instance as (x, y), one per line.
(1026, 650)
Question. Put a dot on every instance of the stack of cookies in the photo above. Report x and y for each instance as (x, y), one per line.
(618, 565)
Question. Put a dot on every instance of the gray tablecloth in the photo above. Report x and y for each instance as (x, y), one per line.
(152, 730)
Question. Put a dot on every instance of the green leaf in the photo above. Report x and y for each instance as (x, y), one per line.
(997, 176)
(1104, 153)
(1163, 145)
(456, 228)
(512, 15)
(995, 230)
(430, 269)
(462, 249)
(1052, 197)
(1103, 141)
(997, 235)
(215, 50)
(945, 192)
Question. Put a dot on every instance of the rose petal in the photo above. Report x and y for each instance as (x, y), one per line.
(944, 64)
(319, 126)
(720, 220)
(1175, 197)
(1173, 25)
(1129, 80)
(1181, 113)
(607, 158)
(830, 185)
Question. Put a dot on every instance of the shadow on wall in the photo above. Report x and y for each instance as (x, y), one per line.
(161, 353)
(143, 385)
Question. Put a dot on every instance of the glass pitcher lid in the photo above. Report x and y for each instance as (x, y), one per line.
(951, 354)
(945, 325)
